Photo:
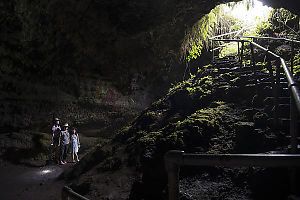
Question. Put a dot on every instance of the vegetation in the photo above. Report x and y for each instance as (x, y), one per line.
(214, 23)
(222, 19)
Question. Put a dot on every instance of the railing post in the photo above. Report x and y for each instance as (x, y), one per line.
(239, 57)
(242, 53)
(173, 159)
(213, 52)
(270, 68)
(253, 61)
(294, 116)
(64, 194)
(276, 92)
(292, 58)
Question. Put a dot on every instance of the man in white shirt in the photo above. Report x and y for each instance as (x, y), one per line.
(63, 142)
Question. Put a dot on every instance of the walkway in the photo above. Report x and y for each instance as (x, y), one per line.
(24, 183)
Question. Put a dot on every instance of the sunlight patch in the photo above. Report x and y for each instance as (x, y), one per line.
(253, 14)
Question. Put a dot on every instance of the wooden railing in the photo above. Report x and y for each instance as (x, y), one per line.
(292, 84)
(68, 194)
(292, 42)
(175, 159)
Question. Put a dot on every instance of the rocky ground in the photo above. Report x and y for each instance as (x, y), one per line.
(22, 182)
(215, 111)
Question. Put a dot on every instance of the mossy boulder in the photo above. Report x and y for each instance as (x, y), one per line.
(249, 113)
(248, 140)
(260, 120)
(257, 101)
(27, 147)
(95, 156)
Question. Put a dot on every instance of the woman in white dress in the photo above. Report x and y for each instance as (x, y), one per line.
(75, 144)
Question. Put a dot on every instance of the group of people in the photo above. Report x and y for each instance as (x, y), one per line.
(62, 139)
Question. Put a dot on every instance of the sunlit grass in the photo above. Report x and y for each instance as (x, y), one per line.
(229, 49)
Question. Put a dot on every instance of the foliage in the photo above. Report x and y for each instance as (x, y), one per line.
(220, 20)
(214, 23)
(281, 23)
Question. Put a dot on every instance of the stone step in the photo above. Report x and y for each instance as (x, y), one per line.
(268, 91)
(289, 137)
(224, 61)
(270, 79)
(283, 110)
(282, 84)
(290, 147)
(284, 124)
(281, 100)
(284, 92)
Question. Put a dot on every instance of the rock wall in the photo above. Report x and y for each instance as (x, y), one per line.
(112, 52)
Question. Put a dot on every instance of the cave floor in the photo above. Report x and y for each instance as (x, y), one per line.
(23, 182)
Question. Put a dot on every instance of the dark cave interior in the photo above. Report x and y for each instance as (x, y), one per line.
(116, 70)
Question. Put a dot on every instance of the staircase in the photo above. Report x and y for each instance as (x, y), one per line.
(281, 100)
(272, 89)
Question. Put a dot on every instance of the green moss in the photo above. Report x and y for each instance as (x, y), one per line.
(147, 140)
(215, 104)
(111, 164)
(235, 80)
(260, 119)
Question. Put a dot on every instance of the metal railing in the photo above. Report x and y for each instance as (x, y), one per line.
(273, 38)
(68, 194)
(174, 159)
(292, 84)
(292, 42)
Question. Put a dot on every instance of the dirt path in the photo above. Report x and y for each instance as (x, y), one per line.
(25, 183)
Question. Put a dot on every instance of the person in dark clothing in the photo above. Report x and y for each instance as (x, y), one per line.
(55, 140)
(64, 141)
(55, 132)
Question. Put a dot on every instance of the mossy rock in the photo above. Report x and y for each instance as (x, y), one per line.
(111, 164)
(239, 81)
(95, 156)
(257, 101)
(268, 101)
(181, 100)
(249, 113)
(260, 120)
(247, 140)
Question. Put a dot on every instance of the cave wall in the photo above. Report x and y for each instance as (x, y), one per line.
(116, 52)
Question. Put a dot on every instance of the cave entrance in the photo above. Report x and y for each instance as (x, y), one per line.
(244, 18)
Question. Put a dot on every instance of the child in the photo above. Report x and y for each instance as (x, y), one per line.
(75, 144)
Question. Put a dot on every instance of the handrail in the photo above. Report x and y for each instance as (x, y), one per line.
(68, 193)
(273, 38)
(291, 82)
(225, 34)
(230, 40)
(174, 159)
(264, 49)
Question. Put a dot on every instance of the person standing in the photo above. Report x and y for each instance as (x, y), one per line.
(75, 144)
(55, 140)
(64, 140)
(55, 132)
